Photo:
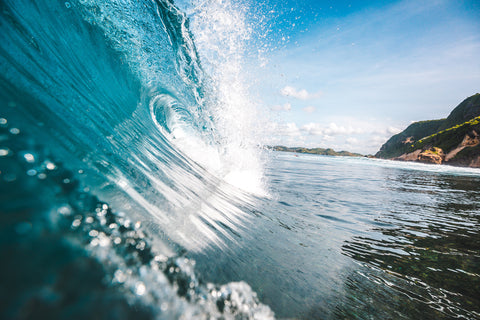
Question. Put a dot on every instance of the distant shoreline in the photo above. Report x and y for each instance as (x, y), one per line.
(357, 155)
(317, 151)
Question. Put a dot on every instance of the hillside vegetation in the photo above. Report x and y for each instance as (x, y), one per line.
(454, 140)
(401, 143)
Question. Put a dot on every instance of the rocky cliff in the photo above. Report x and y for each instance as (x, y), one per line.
(454, 140)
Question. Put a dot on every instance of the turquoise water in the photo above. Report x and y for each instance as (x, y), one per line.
(132, 185)
(362, 238)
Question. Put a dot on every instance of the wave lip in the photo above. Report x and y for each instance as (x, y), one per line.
(141, 111)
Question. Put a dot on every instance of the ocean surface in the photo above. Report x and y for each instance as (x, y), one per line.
(133, 184)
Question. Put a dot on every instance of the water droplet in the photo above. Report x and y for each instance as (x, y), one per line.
(51, 166)
(66, 180)
(89, 220)
(161, 258)
(29, 157)
(31, 172)
(119, 276)
(93, 233)
(3, 121)
(14, 131)
(103, 239)
(76, 223)
(67, 4)
(164, 306)
(140, 246)
(65, 210)
(42, 176)
(4, 152)
(140, 288)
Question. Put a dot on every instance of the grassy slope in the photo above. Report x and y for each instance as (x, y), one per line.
(395, 147)
(444, 133)
(450, 138)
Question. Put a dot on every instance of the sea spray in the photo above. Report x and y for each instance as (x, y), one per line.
(115, 95)
(222, 34)
(141, 111)
(109, 87)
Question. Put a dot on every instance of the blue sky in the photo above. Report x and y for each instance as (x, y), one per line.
(348, 75)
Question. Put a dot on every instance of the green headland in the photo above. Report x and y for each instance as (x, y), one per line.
(454, 140)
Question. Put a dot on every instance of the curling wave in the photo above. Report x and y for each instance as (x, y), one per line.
(109, 100)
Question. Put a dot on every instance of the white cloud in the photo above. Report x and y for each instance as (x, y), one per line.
(313, 129)
(332, 129)
(328, 138)
(288, 129)
(335, 129)
(292, 92)
(355, 135)
(352, 141)
(301, 94)
(381, 130)
(378, 140)
(309, 109)
(285, 107)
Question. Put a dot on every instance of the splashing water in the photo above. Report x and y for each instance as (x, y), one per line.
(115, 91)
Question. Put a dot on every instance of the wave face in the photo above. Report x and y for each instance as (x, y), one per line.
(118, 88)
(108, 100)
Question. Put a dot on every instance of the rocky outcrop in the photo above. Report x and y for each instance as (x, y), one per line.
(435, 155)
(412, 156)
(409, 140)
(432, 155)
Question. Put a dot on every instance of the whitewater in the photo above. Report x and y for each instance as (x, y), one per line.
(134, 184)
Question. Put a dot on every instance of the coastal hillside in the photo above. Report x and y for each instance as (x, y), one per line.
(320, 151)
(454, 140)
